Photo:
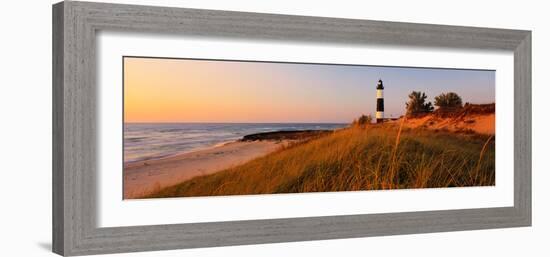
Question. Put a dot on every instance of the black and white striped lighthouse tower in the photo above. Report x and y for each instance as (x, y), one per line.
(379, 102)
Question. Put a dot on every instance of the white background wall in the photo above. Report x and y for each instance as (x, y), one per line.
(25, 128)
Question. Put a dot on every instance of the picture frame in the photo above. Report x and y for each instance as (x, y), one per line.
(75, 24)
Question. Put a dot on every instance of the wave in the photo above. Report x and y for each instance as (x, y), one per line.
(161, 140)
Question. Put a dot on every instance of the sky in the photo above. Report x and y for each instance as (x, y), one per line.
(187, 90)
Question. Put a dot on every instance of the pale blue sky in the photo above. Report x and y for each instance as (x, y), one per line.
(182, 90)
(355, 86)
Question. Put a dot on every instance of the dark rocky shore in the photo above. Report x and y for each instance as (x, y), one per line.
(286, 135)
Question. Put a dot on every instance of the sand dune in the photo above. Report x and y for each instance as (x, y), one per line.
(482, 124)
(144, 177)
(472, 118)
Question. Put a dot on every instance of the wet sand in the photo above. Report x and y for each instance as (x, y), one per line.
(144, 177)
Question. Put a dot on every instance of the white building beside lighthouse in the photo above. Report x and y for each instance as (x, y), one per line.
(379, 102)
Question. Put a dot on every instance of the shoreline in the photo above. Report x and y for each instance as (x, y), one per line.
(182, 152)
(278, 135)
(147, 176)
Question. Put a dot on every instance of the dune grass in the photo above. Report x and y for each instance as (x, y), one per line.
(370, 158)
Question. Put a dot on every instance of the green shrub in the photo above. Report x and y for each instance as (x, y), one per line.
(448, 101)
(417, 104)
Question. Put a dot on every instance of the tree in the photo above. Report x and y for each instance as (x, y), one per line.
(362, 120)
(417, 104)
(448, 101)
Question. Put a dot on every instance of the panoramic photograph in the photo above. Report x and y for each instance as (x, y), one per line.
(198, 127)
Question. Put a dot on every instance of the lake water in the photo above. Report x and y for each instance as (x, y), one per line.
(145, 141)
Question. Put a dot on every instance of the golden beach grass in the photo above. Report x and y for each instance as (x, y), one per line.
(375, 157)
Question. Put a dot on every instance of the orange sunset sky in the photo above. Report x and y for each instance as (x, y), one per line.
(183, 90)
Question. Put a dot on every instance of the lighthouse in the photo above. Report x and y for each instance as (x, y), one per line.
(379, 102)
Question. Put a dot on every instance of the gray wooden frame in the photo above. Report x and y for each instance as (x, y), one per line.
(75, 25)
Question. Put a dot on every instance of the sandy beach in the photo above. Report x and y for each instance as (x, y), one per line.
(144, 177)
